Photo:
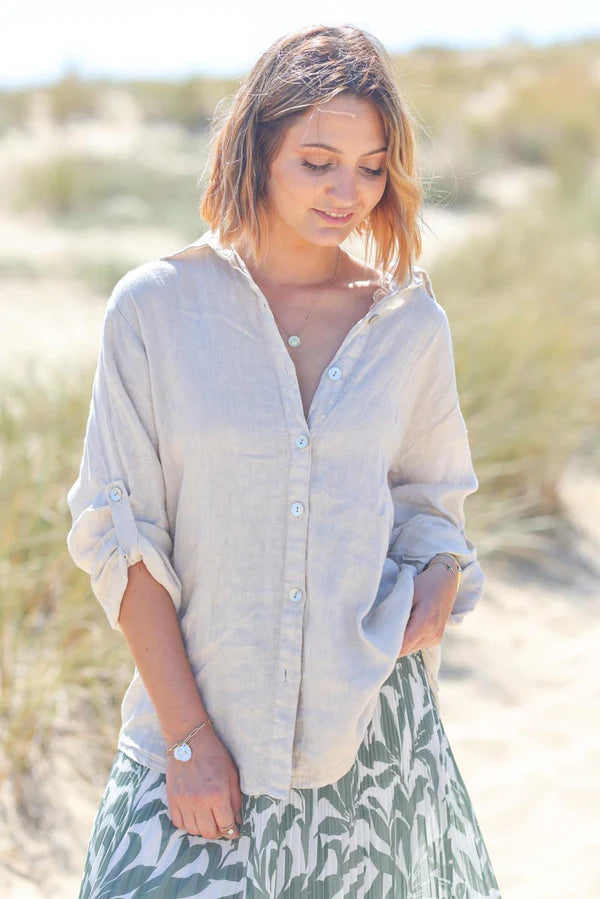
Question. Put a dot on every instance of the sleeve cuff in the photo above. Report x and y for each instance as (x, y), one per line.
(106, 539)
(438, 538)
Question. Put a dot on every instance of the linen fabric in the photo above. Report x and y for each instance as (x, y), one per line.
(288, 543)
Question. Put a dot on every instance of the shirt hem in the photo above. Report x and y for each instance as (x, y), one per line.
(142, 756)
(306, 782)
(156, 763)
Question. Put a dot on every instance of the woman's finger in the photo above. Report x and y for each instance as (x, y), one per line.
(177, 818)
(190, 823)
(205, 823)
(236, 794)
(225, 818)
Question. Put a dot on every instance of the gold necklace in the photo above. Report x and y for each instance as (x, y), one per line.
(294, 339)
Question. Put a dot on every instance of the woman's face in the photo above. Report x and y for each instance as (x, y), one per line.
(345, 175)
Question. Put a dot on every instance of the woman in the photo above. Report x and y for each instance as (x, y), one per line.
(270, 506)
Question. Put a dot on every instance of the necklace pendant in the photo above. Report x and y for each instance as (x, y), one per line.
(294, 340)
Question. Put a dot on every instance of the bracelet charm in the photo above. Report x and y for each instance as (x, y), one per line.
(182, 753)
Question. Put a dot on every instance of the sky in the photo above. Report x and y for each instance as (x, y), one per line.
(41, 40)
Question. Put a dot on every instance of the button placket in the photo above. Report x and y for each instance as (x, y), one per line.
(294, 595)
(301, 430)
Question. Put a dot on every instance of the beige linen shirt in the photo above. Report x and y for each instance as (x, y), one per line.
(288, 544)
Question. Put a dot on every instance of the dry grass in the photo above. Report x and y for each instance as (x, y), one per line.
(61, 667)
(524, 306)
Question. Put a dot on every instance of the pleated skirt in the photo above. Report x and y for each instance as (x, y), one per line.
(398, 825)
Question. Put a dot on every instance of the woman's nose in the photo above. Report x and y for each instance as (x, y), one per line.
(343, 192)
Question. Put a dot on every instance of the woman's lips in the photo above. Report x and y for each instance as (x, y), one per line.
(333, 220)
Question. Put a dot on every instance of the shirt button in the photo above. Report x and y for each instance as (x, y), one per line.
(373, 317)
(295, 594)
(115, 494)
(297, 509)
(301, 440)
(335, 372)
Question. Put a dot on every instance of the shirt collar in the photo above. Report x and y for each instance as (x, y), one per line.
(209, 238)
(393, 293)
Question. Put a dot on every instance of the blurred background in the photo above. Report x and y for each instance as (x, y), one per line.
(104, 117)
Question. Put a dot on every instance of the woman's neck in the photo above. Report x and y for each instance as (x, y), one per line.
(293, 264)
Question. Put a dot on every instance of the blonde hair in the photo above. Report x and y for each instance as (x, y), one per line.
(301, 69)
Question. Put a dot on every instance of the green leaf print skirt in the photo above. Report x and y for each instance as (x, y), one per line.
(398, 825)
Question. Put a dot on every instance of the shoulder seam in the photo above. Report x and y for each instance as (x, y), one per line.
(117, 309)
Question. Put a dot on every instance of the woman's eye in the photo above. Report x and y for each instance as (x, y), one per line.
(321, 168)
(316, 168)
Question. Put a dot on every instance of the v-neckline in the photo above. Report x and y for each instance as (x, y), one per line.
(389, 288)
(381, 298)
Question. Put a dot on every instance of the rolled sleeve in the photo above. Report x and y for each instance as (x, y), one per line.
(117, 503)
(433, 476)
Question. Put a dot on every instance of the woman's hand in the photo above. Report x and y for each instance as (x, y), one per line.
(204, 792)
(435, 590)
